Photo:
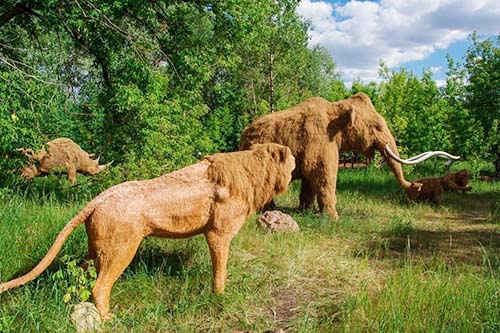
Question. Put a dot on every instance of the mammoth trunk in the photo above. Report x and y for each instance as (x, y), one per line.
(396, 167)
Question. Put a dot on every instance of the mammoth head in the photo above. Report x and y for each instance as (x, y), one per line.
(367, 131)
(363, 128)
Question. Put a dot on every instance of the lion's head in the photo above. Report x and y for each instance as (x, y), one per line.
(255, 175)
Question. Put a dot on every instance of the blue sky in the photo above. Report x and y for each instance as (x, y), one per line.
(415, 34)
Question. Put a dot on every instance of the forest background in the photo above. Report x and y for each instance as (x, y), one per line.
(156, 85)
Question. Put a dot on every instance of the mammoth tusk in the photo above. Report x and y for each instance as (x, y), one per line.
(420, 158)
(441, 154)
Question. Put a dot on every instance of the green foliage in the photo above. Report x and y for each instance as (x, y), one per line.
(420, 299)
(400, 226)
(415, 111)
(480, 96)
(153, 86)
(76, 281)
(157, 86)
(363, 260)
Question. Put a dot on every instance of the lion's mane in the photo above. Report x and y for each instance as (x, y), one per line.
(252, 175)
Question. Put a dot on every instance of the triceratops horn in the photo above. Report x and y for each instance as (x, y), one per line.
(104, 167)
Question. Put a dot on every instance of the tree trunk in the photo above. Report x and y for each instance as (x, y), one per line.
(271, 77)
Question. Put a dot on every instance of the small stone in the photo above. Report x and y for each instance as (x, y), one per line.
(86, 318)
(277, 221)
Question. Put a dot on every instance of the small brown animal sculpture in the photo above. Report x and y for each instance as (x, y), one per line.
(63, 154)
(485, 178)
(432, 188)
(212, 197)
(317, 131)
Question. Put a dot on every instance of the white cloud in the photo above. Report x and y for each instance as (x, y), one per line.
(361, 33)
(441, 83)
(435, 69)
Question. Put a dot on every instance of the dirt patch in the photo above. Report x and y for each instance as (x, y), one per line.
(468, 247)
(464, 235)
(285, 306)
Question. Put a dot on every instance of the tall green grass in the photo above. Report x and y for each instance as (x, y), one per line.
(420, 299)
(374, 270)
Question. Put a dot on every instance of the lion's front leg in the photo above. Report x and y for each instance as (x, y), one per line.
(229, 218)
(219, 251)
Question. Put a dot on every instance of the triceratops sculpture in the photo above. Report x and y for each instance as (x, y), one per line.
(61, 154)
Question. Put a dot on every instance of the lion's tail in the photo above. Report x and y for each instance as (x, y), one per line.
(80, 218)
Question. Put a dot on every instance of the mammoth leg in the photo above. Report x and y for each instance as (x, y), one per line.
(325, 184)
(307, 194)
(327, 201)
(112, 259)
(219, 251)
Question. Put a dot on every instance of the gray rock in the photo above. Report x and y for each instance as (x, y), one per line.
(275, 220)
(86, 318)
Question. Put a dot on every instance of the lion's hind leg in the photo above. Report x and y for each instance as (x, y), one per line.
(91, 254)
(113, 257)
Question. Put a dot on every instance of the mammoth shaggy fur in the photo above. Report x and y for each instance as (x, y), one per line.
(212, 197)
(60, 154)
(317, 131)
(432, 188)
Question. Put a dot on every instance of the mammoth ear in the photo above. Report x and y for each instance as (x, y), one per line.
(352, 115)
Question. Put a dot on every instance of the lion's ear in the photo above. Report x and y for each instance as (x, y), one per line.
(285, 153)
(280, 154)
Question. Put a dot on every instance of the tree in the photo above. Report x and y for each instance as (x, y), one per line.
(482, 91)
(414, 109)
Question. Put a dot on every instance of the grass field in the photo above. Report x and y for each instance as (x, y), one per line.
(386, 266)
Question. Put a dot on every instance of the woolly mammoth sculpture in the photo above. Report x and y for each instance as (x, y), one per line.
(60, 154)
(212, 197)
(432, 188)
(317, 131)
